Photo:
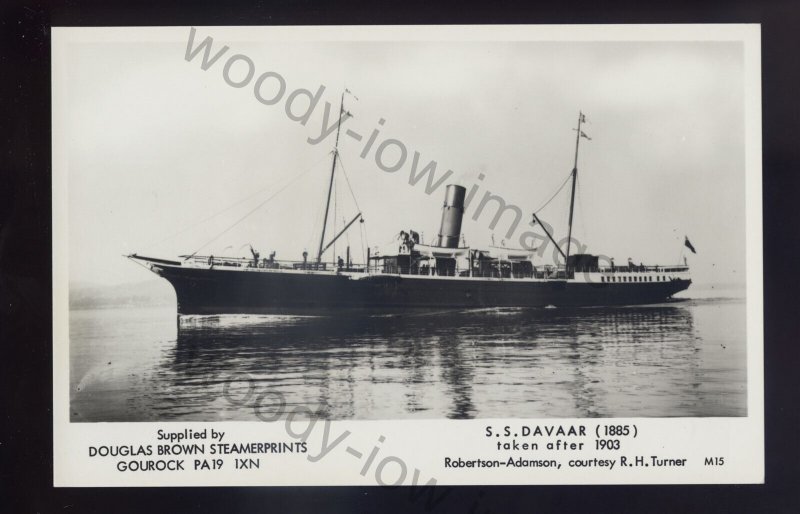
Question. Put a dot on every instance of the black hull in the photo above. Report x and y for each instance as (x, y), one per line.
(226, 291)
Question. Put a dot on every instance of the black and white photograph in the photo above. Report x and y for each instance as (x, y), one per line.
(410, 225)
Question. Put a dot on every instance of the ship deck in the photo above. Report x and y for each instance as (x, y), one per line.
(632, 274)
(204, 287)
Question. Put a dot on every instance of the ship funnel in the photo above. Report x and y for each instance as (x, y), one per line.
(452, 213)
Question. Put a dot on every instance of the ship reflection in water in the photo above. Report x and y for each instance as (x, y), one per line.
(681, 359)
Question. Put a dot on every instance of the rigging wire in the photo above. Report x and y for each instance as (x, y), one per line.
(554, 194)
(347, 179)
(228, 208)
(335, 198)
(362, 234)
(257, 207)
(314, 233)
(580, 212)
(363, 231)
(347, 239)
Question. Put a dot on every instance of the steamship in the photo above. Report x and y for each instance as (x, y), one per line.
(412, 275)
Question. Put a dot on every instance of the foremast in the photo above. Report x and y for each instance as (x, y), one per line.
(322, 248)
(578, 135)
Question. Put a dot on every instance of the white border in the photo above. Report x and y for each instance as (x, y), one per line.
(421, 444)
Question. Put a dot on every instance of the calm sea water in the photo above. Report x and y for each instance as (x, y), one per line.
(679, 359)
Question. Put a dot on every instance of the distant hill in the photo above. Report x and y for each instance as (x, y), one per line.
(137, 294)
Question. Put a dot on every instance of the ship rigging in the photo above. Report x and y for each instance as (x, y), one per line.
(410, 274)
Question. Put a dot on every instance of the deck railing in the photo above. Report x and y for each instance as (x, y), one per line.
(642, 269)
(539, 272)
(268, 264)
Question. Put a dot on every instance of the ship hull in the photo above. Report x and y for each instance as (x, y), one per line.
(238, 291)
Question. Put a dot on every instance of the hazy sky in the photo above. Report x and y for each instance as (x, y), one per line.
(155, 144)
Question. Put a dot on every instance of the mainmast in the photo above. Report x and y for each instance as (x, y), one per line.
(330, 185)
(581, 119)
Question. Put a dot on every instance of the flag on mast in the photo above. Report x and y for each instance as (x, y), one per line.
(583, 118)
(688, 244)
(583, 134)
